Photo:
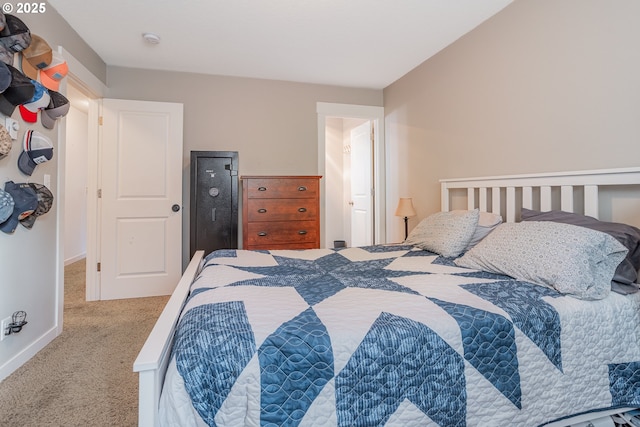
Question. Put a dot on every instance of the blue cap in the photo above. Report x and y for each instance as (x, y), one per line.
(6, 205)
(25, 203)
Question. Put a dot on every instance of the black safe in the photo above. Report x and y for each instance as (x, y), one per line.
(214, 201)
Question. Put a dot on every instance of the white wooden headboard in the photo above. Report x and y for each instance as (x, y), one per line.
(505, 194)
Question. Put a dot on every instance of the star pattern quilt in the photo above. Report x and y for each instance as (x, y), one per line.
(391, 336)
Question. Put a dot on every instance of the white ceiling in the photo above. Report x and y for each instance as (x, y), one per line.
(357, 43)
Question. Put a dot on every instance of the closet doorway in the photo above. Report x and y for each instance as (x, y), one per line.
(351, 161)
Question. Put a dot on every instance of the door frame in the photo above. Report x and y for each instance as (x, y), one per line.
(93, 87)
(376, 115)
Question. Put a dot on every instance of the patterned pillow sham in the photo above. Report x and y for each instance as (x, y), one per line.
(574, 260)
(628, 235)
(445, 233)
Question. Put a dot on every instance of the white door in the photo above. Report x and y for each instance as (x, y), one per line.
(141, 185)
(361, 185)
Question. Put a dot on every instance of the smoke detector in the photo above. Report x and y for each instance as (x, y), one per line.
(151, 38)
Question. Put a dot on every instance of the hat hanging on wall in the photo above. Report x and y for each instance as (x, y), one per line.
(35, 57)
(41, 99)
(37, 149)
(5, 77)
(45, 201)
(58, 107)
(14, 38)
(6, 142)
(50, 76)
(6, 205)
(25, 203)
(20, 90)
(3, 21)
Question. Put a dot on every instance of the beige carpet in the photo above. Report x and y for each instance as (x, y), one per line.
(84, 377)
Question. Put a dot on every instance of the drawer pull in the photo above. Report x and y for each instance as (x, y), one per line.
(262, 188)
(262, 233)
(302, 232)
(302, 209)
(302, 188)
(262, 210)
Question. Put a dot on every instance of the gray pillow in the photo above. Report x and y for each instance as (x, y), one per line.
(573, 260)
(486, 223)
(445, 233)
(628, 235)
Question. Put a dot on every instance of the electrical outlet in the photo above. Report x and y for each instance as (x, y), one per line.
(3, 327)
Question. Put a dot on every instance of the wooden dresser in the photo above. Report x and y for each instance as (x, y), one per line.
(280, 212)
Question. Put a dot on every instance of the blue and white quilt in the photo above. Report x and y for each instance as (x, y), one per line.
(391, 336)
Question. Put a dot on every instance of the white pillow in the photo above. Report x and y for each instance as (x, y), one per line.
(574, 260)
(445, 233)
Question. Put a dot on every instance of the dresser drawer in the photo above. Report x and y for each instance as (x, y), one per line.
(273, 188)
(285, 246)
(282, 210)
(281, 232)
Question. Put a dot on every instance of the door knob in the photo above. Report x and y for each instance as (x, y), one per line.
(175, 207)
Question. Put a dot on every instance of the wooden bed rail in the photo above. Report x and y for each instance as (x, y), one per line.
(519, 190)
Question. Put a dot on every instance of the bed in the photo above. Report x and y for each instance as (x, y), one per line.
(428, 333)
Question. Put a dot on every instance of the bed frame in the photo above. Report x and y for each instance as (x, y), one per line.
(579, 191)
(572, 191)
(152, 361)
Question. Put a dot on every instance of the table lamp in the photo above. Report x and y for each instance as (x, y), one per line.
(405, 209)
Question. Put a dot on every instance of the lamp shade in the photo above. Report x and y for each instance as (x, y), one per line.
(405, 208)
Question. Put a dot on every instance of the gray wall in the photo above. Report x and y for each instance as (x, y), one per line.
(29, 264)
(272, 124)
(545, 85)
(57, 32)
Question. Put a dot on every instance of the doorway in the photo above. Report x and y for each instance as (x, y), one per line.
(359, 178)
(351, 159)
(75, 191)
(80, 82)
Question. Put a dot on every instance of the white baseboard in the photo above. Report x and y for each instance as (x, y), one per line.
(74, 259)
(21, 358)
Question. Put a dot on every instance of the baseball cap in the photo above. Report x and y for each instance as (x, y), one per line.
(6, 205)
(20, 90)
(58, 107)
(37, 149)
(45, 201)
(14, 38)
(50, 76)
(41, 99)
(35, 57)
(5, 77)
(25, 203)
(5, 142)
